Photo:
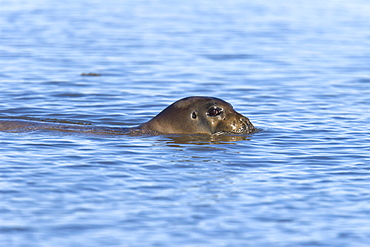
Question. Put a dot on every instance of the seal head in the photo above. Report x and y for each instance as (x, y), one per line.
(198, 115)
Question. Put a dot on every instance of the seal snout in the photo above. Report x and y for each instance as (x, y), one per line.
(247, 125)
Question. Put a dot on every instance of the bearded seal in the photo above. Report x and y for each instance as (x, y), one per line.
(191, 115)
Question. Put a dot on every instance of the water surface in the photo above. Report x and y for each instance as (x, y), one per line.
(299, 71)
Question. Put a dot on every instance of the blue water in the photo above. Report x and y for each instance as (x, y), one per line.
(300, 71)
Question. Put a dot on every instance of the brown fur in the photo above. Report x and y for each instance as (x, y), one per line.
(177, 118)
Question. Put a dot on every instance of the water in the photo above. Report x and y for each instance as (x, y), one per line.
(299, 71)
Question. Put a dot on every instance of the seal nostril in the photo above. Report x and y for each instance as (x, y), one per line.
(193, 115)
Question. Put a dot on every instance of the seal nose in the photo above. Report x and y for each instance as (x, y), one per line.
(247, 124)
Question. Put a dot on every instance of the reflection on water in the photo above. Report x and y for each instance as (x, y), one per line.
(174, 140)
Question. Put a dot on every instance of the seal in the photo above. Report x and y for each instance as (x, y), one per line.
(198, 115)
(191, 115)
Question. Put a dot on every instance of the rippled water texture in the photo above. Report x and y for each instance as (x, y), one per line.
(298, 70)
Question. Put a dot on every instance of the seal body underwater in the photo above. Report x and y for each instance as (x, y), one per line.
(191, 115)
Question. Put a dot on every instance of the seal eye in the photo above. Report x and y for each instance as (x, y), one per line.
(193, 115)
(214, 111)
